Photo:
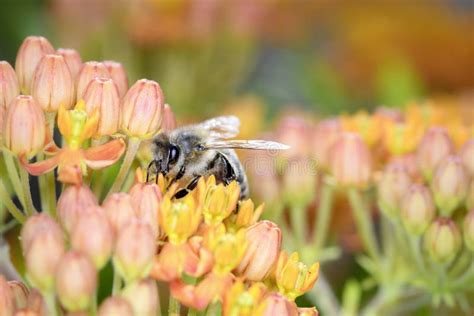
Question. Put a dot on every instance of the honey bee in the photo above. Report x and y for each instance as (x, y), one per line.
(194, 151)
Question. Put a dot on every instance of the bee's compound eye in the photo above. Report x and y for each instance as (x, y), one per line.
(173, 154)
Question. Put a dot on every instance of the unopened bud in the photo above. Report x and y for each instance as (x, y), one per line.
(37, 304)
(467, 156)
(146, 199)
(299, 181)
(433, 148)
(42, 256)
(73, 200)
(325, 134)
(102, 96)
(76, 281)
(25, 312)
(29, 55)
(350, 161)
(73, 60)
(442, 239)
(391, 188)
(52, 84)
(277, 304)
(24, 127)
(93, 236)
(143, 297)
(115, 306)
(34, 226)
(450, 185)
(9, 87)
(142, 109)
(89, 71)
(7, 304)
(119, 76)
(417, 209)
(119, 210)
(468, 230)
(264, 243)
(134, 238)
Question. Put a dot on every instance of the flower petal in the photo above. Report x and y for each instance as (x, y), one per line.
(41, 167)
(104, 155)
(70, 174)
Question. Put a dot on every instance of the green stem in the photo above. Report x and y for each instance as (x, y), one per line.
(132, 149)
(13, 175)
(43, 188)
(93, 308)
(298, 223)
(6, 227)
(116, 283)
(25, 181)
(51, 189)
(192, 312)
(173, 307)
(6, 199)
(323, 217)
(416, 252)
(50, 303)
(50, 117)
(213, 309)
(363, 223)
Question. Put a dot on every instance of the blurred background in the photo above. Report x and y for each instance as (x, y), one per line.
(213, 56)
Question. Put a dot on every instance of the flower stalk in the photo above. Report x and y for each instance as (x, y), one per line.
(7, 201)
(25, 182)
(323, 217)
(132, 149)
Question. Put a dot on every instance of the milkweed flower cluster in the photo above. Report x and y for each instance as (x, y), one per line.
(414, 166)
(79, 124)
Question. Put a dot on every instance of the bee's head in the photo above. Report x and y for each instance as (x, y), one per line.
(165, 153)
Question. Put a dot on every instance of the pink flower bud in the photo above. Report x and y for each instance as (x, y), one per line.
(52, 84)
(25, 312)
(89, 71)
(20, 293)
(34, 226)
(42, 257)
(169, 120)
(467, 156)
(391, 188)
(442, 239)
(468, 230)
(295, 132)
(134, 250)
(73, 60)
(433, 148)
(114, 306)
(29, 55)
(324, 136)
(277, 304)
(417, 209)
(449, 185)
(119, 210)
(142, 109)
(2, 120)
(24, 130)
(76, 281)
(119, 76)
(9, 87)
(93, 235)
(7, 303)
(264, 243)
(299, 180)
(102, 95)
(73, 200)
(350, 161)
(145, 200)
(143, 297)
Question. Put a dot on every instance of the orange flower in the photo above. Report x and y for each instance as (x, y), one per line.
(72, 161)
(366, 125)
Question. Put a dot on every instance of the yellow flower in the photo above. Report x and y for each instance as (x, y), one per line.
(241, 302)
(402, 138)
(366, 125)
(75, 125)
(179, 219)
(228, 248)
(219, 201)
(293, 277)
(246, 216)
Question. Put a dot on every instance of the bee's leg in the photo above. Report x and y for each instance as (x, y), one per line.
(191, 185)
(157, 164)
(151, 164)
(178, 176)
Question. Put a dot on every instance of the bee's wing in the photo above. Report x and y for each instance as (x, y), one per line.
(221, 127)
(246, 144)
